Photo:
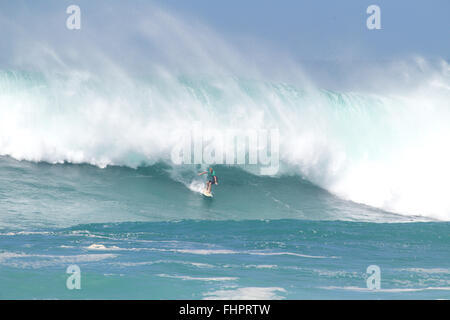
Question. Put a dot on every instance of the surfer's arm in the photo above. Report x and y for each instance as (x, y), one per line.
(202, 173)
(215, 180)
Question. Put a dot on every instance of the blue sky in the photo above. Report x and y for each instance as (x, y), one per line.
(330, 29)
(328, 39)
(305, 29)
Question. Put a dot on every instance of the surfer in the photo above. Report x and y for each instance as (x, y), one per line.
(212, 179)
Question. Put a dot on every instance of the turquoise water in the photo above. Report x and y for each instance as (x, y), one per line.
(90, 120)
(87, 179)
(137, 233)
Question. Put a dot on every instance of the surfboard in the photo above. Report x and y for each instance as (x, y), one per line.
(207, 194)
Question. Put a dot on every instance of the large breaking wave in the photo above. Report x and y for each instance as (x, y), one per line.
(385, 149)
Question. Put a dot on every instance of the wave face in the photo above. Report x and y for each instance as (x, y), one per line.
(34, 195)
(387, 151)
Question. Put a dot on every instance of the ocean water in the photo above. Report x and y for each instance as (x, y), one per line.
(87, 178)
(139, 234)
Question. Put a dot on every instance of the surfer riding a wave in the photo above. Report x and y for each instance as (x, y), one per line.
(212, 179)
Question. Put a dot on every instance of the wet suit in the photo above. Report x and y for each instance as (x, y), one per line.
(211, 176)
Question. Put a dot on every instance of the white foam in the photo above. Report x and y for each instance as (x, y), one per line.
(290, 254)
(393, 290)
(103, 247)
(204, 251)
(19, 233)
(262, 266)
(198, 278)
(197, 186)
(20, 260)
(143, 263)
(227, 251)
(246, 293)
(427, 270)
